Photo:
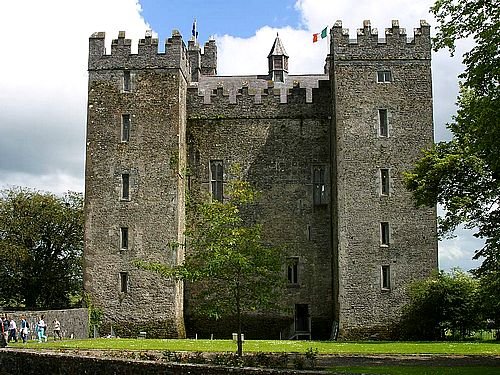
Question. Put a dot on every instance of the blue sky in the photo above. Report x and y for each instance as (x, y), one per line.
(217, 17)
(43, 70)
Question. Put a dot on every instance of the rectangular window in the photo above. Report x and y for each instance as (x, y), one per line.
(383, 123)
(384, 181)
(292, 270)
(278, 62)
(278, 76)
(384, 233)
(125, 186)
(126, 80)
(320, 194)
(386, 277)
(125, 128)
(384, 76)
(216, 179)
(124, 282)
(123, 238)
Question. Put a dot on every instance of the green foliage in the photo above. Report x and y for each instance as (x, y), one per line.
(96, 314)
(463, 174)
(41, 245)
(489, 303)
(444, 304)
(231, 270)
(312, 356)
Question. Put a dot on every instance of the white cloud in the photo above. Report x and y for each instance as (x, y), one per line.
(43, 85)
(458, 251)
(316, 14)
(57, 182)
(249, 56)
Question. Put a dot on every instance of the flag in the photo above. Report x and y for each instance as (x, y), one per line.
(323, 33)
(194, 32)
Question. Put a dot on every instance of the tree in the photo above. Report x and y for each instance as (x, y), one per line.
(231, 270)
(445, 303)
(463, 174)
(41, 245)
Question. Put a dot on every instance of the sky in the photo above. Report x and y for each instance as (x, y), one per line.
(43, 69)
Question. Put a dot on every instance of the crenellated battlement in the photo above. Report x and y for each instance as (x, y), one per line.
(295, 89)
(395, 44)
(148, 55)
(257, 97)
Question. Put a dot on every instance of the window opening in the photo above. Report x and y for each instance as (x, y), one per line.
(383, 123)
(386, 278)
(216, 179)
(292, 270)
(384, 181)
(320, 195)
(123, 238)
(125, 128)
(384, 76)
(125, 186)
(124, 282)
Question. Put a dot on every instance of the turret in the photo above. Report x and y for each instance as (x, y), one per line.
(278, 61)
(209, 59)
(194, 55)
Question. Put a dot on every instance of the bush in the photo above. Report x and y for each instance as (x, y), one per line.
(445, 305)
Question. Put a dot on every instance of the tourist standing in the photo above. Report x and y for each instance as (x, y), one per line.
(5, 328)
(12, 330)
(57, 329)
(41, 326)
(3, 342)
(24, 329)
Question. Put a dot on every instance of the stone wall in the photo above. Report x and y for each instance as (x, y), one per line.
(277, 145)
(23, 362)
(74, 322)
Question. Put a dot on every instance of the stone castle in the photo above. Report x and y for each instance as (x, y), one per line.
(327, 151)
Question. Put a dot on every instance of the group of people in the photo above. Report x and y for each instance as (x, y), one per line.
(11, 332)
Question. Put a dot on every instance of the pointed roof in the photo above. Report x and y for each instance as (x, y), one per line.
(277, 49)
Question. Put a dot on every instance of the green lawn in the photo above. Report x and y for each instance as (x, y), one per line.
(277, 346)
(419, 370)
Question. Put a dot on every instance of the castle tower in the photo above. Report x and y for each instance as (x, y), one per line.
(278, 61)
(134, 187)
(382, 119)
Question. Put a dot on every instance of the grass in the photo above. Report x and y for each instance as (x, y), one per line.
(418, 370)
(277, 346)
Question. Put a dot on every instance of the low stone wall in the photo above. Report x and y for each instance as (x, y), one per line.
(27, 362)
(74, 322)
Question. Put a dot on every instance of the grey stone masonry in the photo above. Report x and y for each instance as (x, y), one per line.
(360, 153)
(327, 151)
(149, 210)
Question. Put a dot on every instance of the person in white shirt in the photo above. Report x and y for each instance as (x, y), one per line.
(57, 329)
(12, 330)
